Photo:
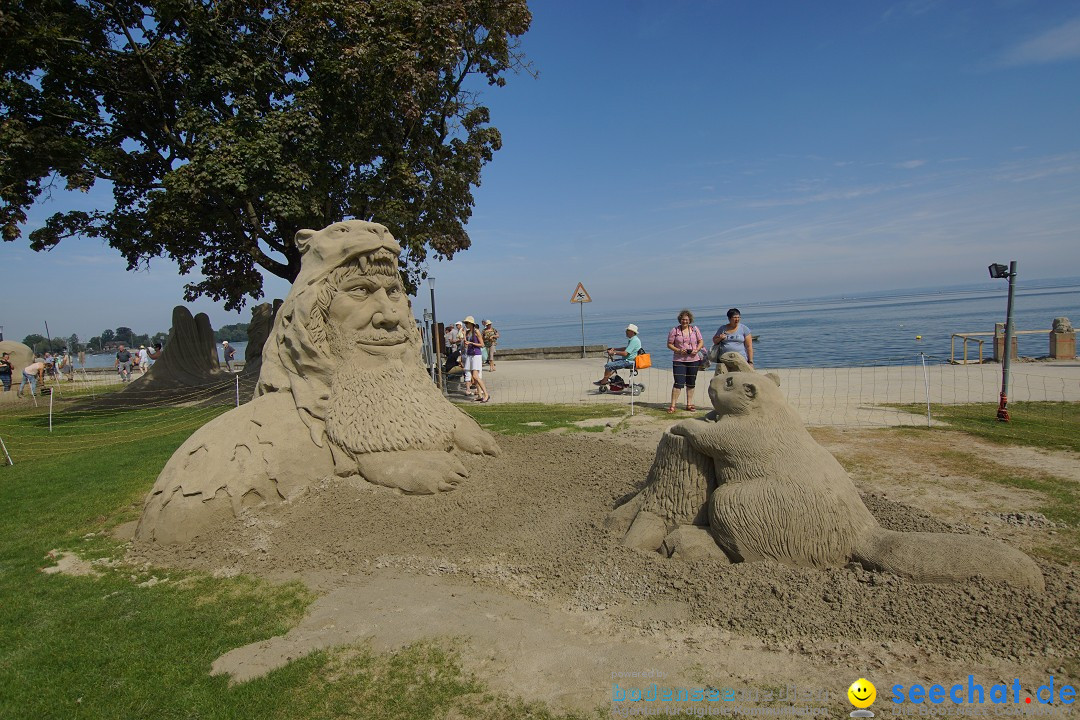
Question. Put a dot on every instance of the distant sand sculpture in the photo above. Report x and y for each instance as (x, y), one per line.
(262, 322)
(189, 357)
(21, 356)
(342, 391)
(752, 476)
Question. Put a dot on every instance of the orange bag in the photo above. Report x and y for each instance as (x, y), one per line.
(642, 360)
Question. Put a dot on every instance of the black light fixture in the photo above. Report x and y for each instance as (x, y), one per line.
(999, 271)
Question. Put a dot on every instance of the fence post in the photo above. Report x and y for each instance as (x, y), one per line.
(926, 386)
(51, 396)
(238, 390)
(6, 452)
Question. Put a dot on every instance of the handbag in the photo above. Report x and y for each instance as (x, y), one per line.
(714, 353)
(642, 360)
(703, 362)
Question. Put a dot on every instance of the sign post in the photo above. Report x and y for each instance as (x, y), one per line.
(581, 296)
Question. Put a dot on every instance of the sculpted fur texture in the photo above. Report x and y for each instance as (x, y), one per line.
(771, 492)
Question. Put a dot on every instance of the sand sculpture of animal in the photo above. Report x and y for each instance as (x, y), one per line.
(1062, 325)
(342, 391)
(751, 474)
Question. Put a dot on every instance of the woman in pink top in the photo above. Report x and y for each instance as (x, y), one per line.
(686, 342)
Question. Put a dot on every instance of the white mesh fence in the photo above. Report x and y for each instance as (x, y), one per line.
(893, 392)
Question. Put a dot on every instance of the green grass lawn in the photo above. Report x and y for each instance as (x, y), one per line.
(525, 418)
(1052, 425)
(115, 646)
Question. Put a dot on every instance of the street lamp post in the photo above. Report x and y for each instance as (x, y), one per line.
(435, 329)
(430, 350)
(998, 271)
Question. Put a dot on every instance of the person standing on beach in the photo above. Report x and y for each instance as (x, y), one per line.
(144, 359)
(474, 361)
(123, 363)
(734, 337)
(491, 336)
(6, 369)
(229, 352)
(64, 366)
(686, 342)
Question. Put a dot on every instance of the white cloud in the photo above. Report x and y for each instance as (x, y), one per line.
(1060, 43)
(911, 164)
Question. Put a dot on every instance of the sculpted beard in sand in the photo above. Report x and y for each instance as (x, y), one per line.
(357, 420)
(379, 397)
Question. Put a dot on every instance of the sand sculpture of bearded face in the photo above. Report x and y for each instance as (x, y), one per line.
(342, 390)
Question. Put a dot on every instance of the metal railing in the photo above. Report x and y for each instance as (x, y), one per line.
(999, 331)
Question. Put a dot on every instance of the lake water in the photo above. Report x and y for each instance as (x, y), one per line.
(843, 332)
(109, 359)
(822, 332)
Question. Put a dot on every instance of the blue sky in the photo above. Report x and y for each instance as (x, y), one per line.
(719, 153)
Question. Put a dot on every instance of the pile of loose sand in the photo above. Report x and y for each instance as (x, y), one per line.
(528, 526)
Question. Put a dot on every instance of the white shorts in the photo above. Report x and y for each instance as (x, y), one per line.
(474, 362)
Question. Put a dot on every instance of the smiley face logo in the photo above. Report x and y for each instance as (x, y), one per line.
(862, 693)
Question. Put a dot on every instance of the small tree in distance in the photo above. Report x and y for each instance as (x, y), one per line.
(224, 127)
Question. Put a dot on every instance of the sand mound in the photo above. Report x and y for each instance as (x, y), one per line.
(528, 527)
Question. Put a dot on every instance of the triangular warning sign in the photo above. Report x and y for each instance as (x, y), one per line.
(581, 295)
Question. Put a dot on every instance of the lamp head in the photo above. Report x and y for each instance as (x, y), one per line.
(998, 271)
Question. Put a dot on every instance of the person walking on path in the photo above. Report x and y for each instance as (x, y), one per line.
(6, 370)
(491, 337)
(734, 337)
(229, 352)
(633, 347)
(123, 363)
(474, 360)
(144, 359)
(67, 367)
(32, 374)
(686, 342)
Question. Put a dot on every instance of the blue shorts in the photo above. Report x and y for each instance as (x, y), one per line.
(685, 374)
(619, 364)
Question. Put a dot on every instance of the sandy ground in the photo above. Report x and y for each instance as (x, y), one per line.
(545, 604)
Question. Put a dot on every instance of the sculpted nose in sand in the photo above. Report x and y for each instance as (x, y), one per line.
(765, 490)
(342, 390)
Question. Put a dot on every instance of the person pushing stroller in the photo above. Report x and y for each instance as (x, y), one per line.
(620, 359)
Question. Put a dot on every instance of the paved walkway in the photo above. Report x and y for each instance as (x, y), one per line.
(823, 396)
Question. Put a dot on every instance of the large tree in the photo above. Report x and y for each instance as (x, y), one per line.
(224, 126)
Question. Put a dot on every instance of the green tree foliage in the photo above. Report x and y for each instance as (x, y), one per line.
(107, 336)
(73, 343)
(224, 126)
(124, 334)
(40, 343)
(232, 333)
